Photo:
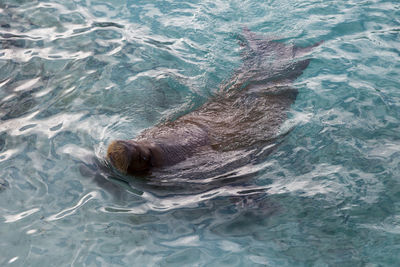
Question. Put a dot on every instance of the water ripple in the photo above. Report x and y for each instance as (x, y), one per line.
(20, 216)
(71, 210)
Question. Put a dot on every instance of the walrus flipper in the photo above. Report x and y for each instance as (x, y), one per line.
(269, 61)
(302, 51)
(254, 45)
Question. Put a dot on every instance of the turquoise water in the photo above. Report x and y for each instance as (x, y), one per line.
(75, 75)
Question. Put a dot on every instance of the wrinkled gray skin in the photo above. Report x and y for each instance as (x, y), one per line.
(249, 109)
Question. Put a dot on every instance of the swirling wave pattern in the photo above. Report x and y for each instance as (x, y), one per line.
(76, 74)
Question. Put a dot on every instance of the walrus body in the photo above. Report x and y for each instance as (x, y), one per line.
(248, 110)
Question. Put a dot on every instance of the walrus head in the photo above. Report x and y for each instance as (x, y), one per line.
(131, 157)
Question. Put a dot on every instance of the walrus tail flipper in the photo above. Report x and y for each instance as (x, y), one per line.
(297, 69)
(301, 51)
(252, 43)
(299, 66)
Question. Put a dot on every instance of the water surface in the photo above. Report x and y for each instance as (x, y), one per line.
(75, 75)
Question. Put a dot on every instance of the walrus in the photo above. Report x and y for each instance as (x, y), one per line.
(248, 110)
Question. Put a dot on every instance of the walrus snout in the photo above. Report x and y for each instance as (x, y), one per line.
(129, 157)
(119, 154)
